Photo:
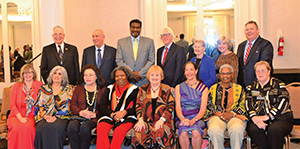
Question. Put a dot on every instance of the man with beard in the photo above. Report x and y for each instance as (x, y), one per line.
(136, 52)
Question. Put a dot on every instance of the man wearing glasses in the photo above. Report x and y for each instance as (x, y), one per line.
(60, 53)
(171, 58)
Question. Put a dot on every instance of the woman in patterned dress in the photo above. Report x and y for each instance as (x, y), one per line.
(191, 101)
(52, 105)
(154, 108)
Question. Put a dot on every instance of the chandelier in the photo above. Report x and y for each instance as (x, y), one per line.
(24, 11)
(205, 2)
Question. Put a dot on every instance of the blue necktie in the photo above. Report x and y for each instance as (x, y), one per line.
(99, 58)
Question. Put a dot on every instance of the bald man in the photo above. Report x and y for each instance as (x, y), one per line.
(100, 55)
(60, 53)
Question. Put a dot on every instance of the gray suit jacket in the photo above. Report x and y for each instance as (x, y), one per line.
(145, 56)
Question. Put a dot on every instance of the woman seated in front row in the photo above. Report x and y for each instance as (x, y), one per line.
(52, 104)
(154, 108)
(191, 101)
(268, 108)
(226, 110)
(85, 102)
(117, 107)
(20, 122)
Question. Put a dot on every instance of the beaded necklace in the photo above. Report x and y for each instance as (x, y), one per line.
(87, 98)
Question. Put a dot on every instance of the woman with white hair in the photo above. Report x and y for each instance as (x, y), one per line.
(51, 107)
(226, 110)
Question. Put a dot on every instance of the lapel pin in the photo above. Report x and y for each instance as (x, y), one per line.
(256, 51)
(66, 49)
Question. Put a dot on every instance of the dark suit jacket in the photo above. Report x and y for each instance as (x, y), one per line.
(108, 62)
(262, 50)
(78, 101)
(51, 59)
(174, 64)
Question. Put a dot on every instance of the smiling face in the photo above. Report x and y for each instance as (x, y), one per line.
(223, 47)
(57, 76)
(190, 71)
(198, 48)
(135, 29)
(58, 35)
(262, 73)
(98, 38)
(155, 77)
(226, 75)
(89, 77)
(121, 78)
(166, 37)
(28, 75)
(251, 31)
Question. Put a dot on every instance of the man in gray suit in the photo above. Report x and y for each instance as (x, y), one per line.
(136, 52)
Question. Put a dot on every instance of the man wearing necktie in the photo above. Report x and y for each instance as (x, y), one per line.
(136, 52)
(60, 53)
(171, 58)
(250, 51)
(100, 55)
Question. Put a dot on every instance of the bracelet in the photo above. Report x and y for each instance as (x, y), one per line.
(195, 119)
(162, 118)
(180, 117)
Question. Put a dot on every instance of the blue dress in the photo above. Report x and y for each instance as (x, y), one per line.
(190, 105)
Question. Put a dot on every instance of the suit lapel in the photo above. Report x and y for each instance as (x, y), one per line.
(54, 52)
(130, 48)
(159, 55)
(140, 47)
(66, 53)
(170, 52)
(105, 53)
(253, 49)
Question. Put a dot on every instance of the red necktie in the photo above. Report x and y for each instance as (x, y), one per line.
(247, 52)
(165, 55)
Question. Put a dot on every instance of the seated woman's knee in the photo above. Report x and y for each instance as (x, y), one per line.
(195, 134)
(184, 134)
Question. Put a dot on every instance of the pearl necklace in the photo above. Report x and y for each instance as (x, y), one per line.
(87, 98)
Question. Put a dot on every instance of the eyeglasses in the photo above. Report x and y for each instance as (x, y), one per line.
(165, 35)
(227, 73)
(91, 75)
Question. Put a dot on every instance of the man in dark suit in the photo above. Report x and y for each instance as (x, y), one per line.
(60, 53)
(104, 59)
(171, 58)
(251, 51)
(136, 52)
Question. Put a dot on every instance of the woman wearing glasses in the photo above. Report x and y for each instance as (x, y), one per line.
(226, 110)
(85, 102)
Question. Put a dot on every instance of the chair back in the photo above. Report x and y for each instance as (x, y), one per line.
(294, 91)
(5, 101)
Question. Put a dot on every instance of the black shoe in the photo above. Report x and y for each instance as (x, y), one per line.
(127, 142)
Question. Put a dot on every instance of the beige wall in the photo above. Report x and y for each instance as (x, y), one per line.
(284, 15)
(83, 17)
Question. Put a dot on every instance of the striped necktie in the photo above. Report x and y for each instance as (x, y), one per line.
(165, 56)
(247, 52)
(61, 54)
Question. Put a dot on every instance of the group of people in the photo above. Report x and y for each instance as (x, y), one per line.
(120, 89)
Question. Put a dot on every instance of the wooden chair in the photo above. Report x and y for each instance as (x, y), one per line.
(294, 91)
